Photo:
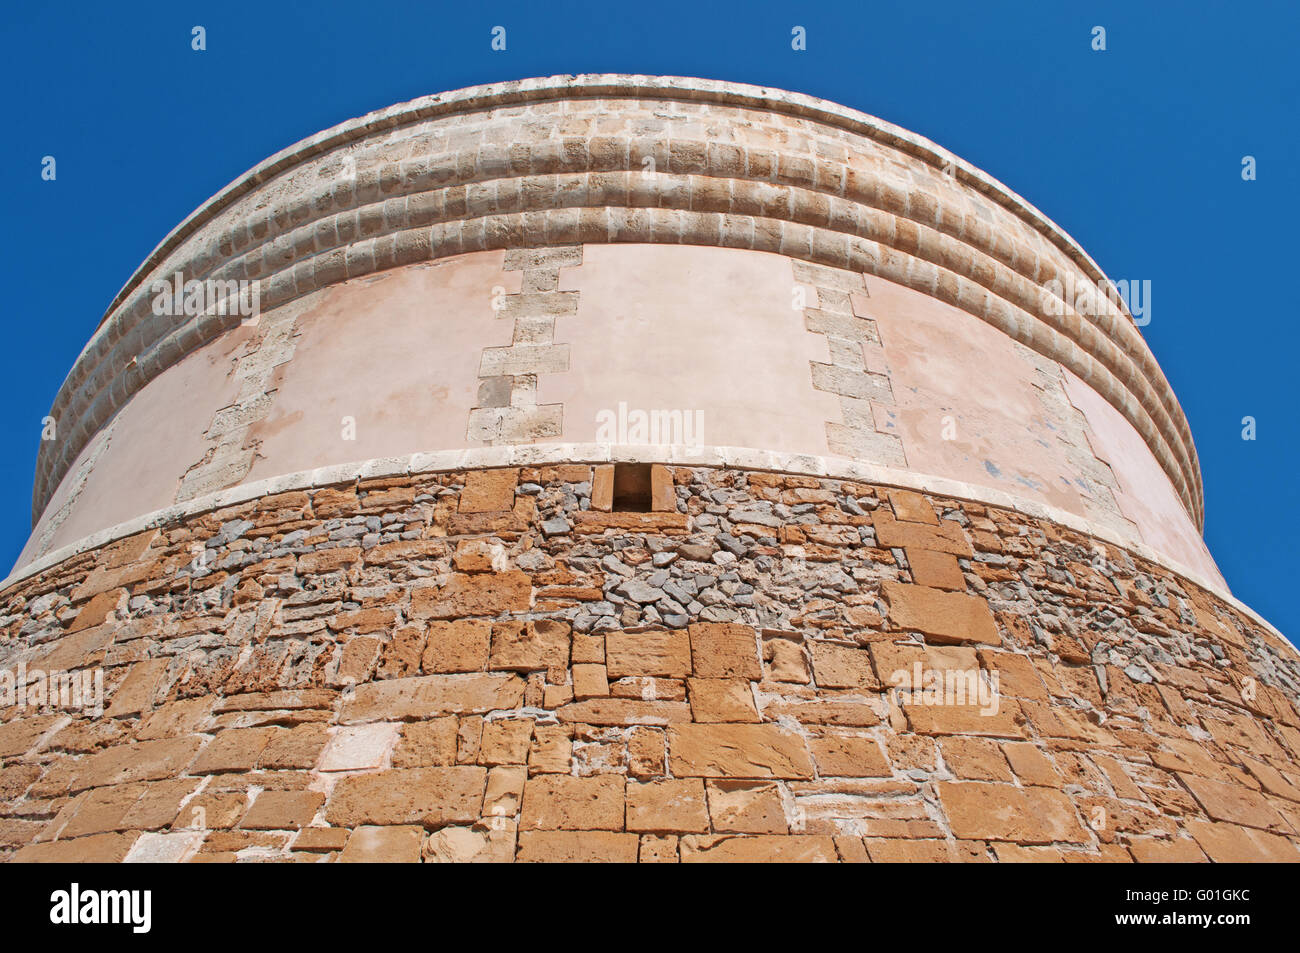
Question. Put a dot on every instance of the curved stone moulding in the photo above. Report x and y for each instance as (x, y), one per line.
(423, 180)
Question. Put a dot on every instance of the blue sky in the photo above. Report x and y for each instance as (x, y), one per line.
(1135, 151)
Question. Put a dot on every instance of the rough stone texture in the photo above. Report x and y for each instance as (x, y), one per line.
(232, 448)
(296, 697)
(507, 410)
(854, 373)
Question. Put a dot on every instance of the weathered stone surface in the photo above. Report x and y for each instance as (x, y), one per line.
(18, 736)
(795, 849)
(722, 699)
(430, 695)
(666, 653)
(746, 807)
(737, 751)
(489, 490)
(383, 845)
(624, 711)
(282, 810)
(431, 797)
(577, 847)
(943, 616)
(1231, 844)
(470, 845)
(935, 569)
(843, 755)
(971, 719)
(145, 761)
(136, 693)
(530, 646)
(946, 537)
(1233, 803)
(506, 741)
(359, 747)
(476, 594)
(667, 806)
(842, 666)
(236, 749)
(1003, 812)
(458, 646)
(558, 802)
(724, 650)
(426, 743)
(95, 849)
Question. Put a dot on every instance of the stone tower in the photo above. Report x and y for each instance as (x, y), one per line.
(629, 468)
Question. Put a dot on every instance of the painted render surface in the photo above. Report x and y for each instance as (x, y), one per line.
(653, 327)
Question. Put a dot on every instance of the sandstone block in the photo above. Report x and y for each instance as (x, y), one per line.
(947, 537)
(724, 650)
(665, 653)
(1234, 803)
(1001, 812)
(383, 845)
(912, 506)
(476, 594)
(359, 747)
(560, 802)
(577, 847)
(842, 666)
(746, 807)
(506, 741)
(530, 646)
(758, 849)
(737, 751)
(457, 646)
(624, 711)
(589, 681)
(431, 797)
(842, 755)
(489, 491)
(722, 699)
(236, 749)
(667, 806)
(282, 810)
(935, 569)
(942, 616)
(427, 696)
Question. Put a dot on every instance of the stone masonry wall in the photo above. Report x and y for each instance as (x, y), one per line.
(492, 665)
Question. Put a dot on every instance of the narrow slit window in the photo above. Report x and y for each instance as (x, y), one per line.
(632, 488)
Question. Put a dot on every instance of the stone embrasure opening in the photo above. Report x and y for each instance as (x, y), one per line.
(631, 488)
(495, 665)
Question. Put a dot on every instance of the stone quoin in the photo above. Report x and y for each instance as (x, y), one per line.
(364, 577)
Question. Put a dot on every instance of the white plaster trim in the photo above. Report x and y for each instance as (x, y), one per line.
(523, 455)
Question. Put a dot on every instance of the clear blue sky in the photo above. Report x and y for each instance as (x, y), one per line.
(1135, 151)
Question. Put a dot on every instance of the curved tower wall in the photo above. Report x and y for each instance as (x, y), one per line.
(620, 440)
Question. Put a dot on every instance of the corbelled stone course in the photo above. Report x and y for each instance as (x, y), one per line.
(297, 695)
